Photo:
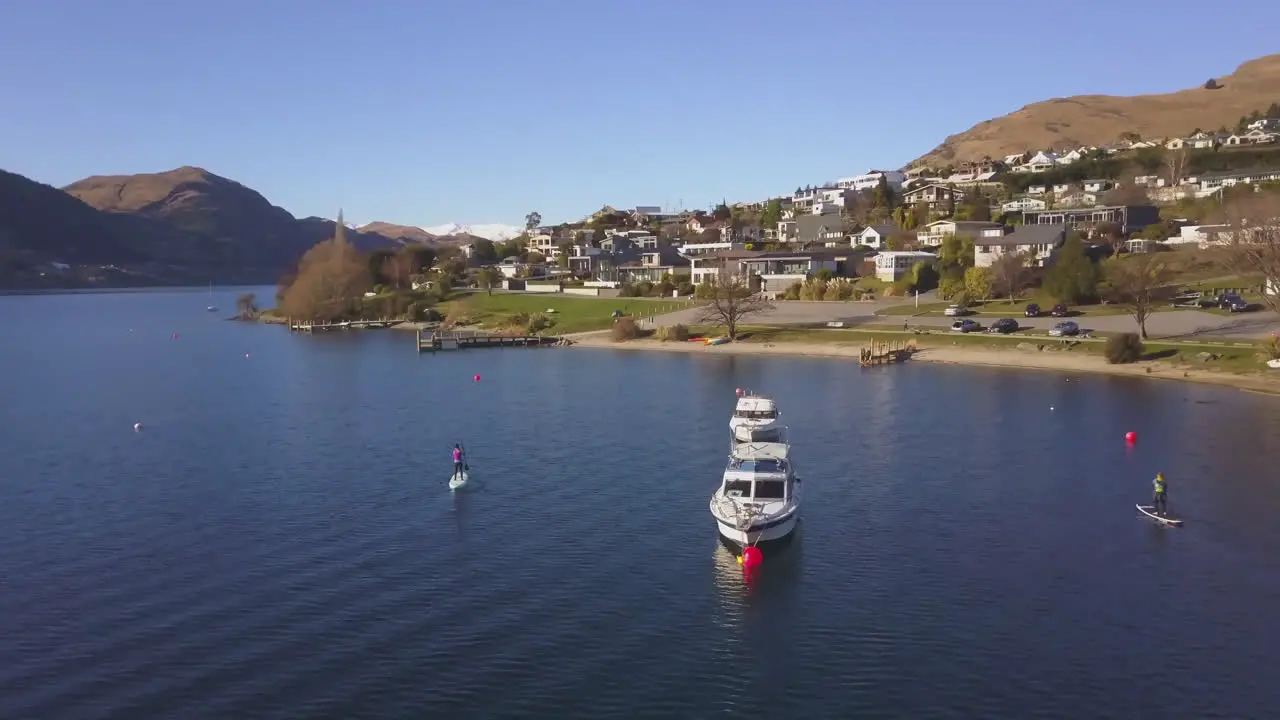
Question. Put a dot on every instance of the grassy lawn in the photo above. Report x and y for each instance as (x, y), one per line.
(572, 314)
(1238, 357)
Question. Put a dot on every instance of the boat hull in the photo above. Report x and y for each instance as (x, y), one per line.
(757, 433)
(767, 531)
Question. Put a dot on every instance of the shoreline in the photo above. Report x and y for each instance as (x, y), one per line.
(1046, 360)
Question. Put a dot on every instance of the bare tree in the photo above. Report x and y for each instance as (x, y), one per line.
(1175, 161)
(1009, 274)
(1253, 242)
(399, 269)
(331, 279)
(247, 306)
(486, 278)
(1139, 282)
(731, 301)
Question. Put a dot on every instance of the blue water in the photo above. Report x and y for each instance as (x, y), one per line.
(277, 540)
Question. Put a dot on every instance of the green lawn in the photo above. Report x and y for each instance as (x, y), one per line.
(572, 314)
(1232, 356)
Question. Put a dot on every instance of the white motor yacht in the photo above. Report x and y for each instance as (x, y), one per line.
(759, 497)
(755, 419)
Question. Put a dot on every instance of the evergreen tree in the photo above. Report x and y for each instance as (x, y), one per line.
(1073, 278)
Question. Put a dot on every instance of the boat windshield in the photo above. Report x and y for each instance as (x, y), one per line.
(737, 488)
(756, 414)
(770, 489)
(763, 465)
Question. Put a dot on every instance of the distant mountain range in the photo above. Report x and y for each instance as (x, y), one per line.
(184, 226)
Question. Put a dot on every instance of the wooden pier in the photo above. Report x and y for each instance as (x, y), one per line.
(884, 352)
(344, 325)
(435, 341)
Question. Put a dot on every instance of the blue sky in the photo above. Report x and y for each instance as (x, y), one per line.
(428, 112)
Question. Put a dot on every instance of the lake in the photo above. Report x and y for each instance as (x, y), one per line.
(277, 540)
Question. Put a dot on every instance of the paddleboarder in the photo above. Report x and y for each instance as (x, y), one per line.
(1160, 497)
(457, 459)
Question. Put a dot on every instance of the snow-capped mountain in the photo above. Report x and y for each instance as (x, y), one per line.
(491, 231)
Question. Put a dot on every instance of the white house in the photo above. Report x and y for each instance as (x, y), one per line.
(1098, 185)
(874, 236)
(1265, 125)
(1061, 188)
(1201, 236)
(1070, 157)
(1024, 204)
(871, 179)
(510, 267)
(1037, 243)
(1042, 161)
(1037, 190)
(1078, 198)
(694, 249)
(893, 264)
(934, 233)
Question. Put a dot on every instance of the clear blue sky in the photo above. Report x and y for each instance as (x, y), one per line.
(475, 111)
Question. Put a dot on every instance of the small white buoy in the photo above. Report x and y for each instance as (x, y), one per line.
(137, 426)
(246, 354)
(1050, 407)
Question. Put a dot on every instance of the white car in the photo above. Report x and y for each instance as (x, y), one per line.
(965, 326)
(955, 311)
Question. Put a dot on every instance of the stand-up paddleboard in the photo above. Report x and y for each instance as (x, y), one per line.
(459, 479)
(1149, 511)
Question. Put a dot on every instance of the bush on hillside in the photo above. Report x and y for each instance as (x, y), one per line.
(1124, 349)
(672, 333)
(685, 289)
(624, 328)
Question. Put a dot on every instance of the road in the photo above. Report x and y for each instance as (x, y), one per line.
(1172, 325)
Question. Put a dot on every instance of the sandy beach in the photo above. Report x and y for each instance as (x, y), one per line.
(1056, 361)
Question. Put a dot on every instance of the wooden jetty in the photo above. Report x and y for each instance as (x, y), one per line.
(434, 341)
(884, 352)
(344, 325)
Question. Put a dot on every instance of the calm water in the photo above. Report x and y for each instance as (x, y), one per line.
(278, 542)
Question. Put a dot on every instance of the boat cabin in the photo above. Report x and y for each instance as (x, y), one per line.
(759, 471)
(755, 408)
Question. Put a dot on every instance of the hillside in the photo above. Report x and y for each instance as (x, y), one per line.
(1101, 119)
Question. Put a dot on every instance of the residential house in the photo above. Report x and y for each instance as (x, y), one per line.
(511, 267)
(831, 229)
(1253, 137)
(584, 259)
(652, 266)
(695, 249)
(1098, 185)
(1271, 125)
(1078, 198)
(1024, 204)
(777, 271)
(1072, 156)
(641, 239)
(891, 265)
(1013, 160)
(1042, 161)
(1061, 188)
(701, 223)
(1037, 189)
(1129, 218)
(875, 236)
(1209, 183)
(871, 180)
(737, 231)
(644, 214)
(935, 195)
(1149, 180)
(1202, 236)
(804, 199)
(931, 235)
(1038, 243)
(544, 244)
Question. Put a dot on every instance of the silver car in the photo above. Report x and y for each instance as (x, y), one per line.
(1065, 329)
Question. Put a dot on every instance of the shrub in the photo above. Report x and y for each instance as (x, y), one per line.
(1272, 347)
(1124, 349)
(813, 289)
(628, 291)
(624, 328)
(793, 292)
(672, 333)
(664, 288)
(644, 288)
(537, 323)
(950, 287)
(686, 288)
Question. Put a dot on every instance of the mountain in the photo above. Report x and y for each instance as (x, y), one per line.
(1101, 119)
(492, 231)
(406, 233)
(184, 226)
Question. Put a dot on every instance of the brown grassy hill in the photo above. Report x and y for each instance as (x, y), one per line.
(1101, 119)
(405, 233)
(193, 218)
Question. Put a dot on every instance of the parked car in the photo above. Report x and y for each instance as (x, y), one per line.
(956, 310)
(1004, 326)
(1033, 310)
(965, 326)
(1232, 302)
(1060, 310)
(1065, 329)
